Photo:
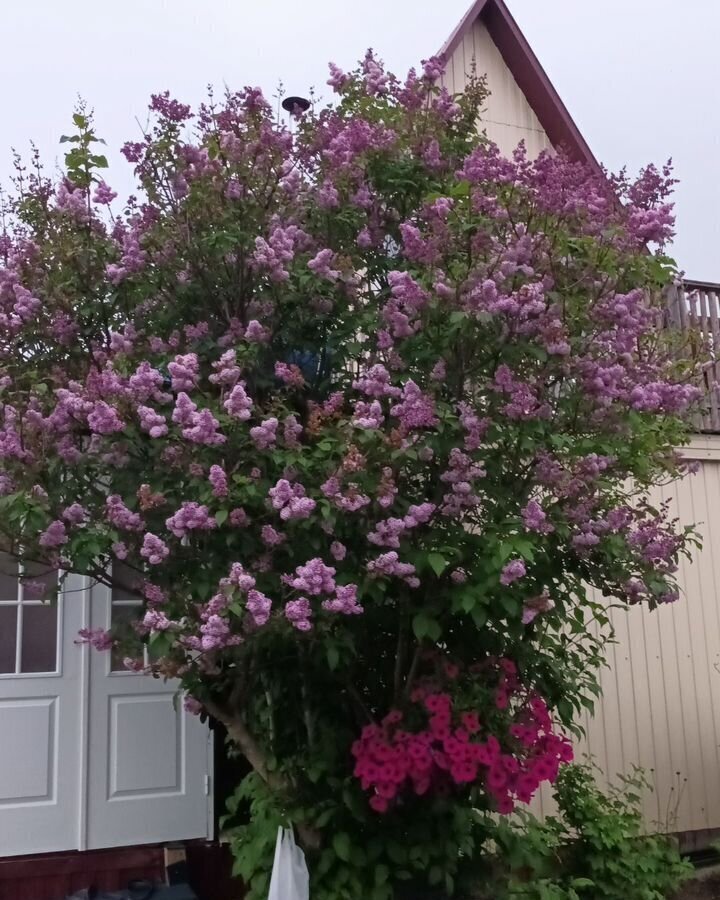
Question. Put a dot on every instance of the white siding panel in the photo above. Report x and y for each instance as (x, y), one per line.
(661, 693)
(507, 118)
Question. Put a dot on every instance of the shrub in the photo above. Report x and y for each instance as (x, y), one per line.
(358, 412)
(594, 849)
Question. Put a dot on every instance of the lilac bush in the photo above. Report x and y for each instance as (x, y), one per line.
(359, 411)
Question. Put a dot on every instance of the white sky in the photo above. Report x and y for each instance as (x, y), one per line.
(639, 76)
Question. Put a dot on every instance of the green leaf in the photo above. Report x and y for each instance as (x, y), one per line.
(323, 819)
(424, 626)
(341, 846)
(159, 643)
(565, 710)
(382, 873)
(437, 563)
(333, 657)
(221, 516)
(381, 892)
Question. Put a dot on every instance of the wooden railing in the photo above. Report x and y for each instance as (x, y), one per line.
(694, 308)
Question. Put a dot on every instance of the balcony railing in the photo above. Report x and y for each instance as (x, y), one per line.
(694, 308)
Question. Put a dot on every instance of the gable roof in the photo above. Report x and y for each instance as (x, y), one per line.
(528, 73)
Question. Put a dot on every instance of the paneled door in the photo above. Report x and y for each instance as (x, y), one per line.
(41, 671)
(148, 761)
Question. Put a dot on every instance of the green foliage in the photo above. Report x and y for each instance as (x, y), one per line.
(365, 856)
(379, 250)
(594, 849)
(81, 161)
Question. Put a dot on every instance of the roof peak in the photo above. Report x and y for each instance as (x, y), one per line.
(530, 76)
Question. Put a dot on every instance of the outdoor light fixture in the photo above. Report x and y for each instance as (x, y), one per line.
(296, 106)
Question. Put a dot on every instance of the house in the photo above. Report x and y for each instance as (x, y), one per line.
(661, 694)
(94, 757)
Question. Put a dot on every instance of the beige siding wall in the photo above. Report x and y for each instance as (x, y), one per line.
(661, 695)
(507, 118)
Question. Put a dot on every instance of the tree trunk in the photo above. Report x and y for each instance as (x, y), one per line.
(240, 735)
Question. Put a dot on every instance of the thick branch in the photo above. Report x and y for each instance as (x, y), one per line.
(240, 735)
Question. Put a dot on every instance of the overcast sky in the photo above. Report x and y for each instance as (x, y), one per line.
(639, 76)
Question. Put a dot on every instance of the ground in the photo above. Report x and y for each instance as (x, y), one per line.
(703, 888)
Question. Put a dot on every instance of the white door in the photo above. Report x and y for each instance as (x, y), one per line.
(41, 674)
(148, 761)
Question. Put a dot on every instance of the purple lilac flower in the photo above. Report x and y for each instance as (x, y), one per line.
(227, 372)
(512, 571)
(155, 620)
(368, 415)
(120, 516)
(75, 514)
(190, 517)
(376, 383)
(239, 518)
(103, 194)
(202, 429)
(338, 551)
(259, 606)
(218, 481)
(345, 601)
(265, 434)
(387, 533)
(240, 578)
(216, 634)
(152, 422)
(290, 500)
(184, 371)
(298, 613)
(98, 638)
(270, 537)
(119, 550)
(289, 374)
(54, 535)
(292, 430)
(314, 577)
(238, 404)
(104, 419)
(535, 606)
(389, 564)
(255, 333)
(153, 549)
(321, 264)
(416, 410)
(535, 518)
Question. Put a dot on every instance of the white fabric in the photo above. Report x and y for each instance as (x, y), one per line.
(289, 879)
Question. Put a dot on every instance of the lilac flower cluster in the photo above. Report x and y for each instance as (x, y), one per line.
(290, 500)
(313, 577)
(388, 532)
(190, 517)
(264, 435)
(389, 564)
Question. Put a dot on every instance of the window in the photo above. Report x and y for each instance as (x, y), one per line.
(29, 618)
(125, 610)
